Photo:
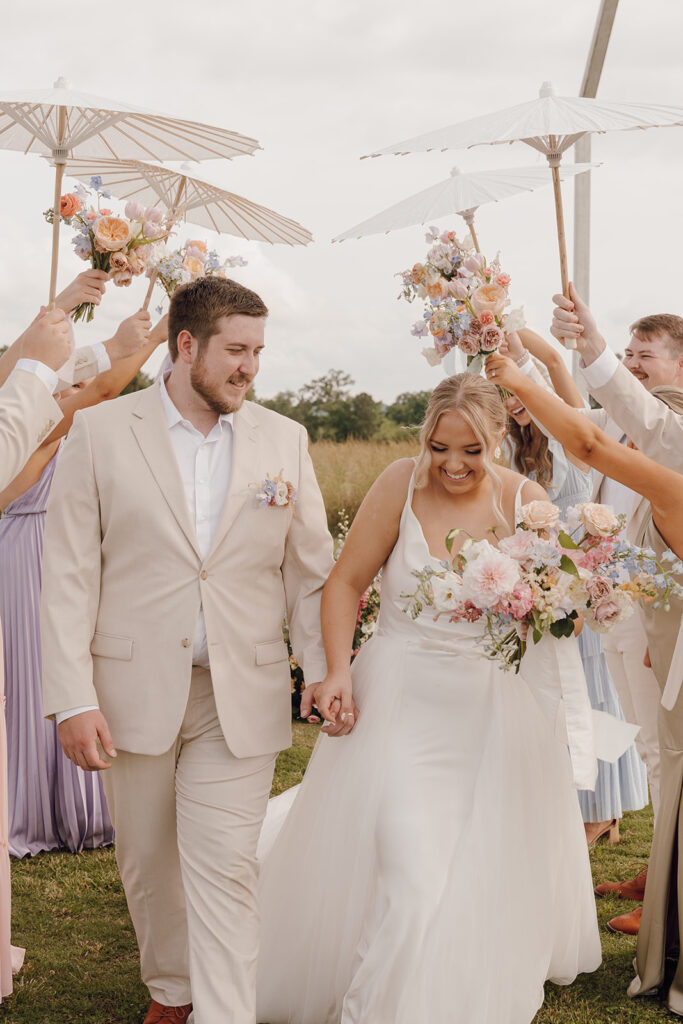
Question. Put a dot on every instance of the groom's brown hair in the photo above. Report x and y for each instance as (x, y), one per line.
(198, 306)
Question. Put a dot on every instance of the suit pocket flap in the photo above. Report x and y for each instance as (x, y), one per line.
(104, 645)
(270, 652)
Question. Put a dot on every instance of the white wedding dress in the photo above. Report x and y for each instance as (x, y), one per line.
(433, 867)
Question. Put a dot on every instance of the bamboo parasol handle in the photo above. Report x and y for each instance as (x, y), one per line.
(562, 240)
(172, 218)
(56, 220)
(468, 217)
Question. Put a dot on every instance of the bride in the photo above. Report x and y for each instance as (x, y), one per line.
(433, 867)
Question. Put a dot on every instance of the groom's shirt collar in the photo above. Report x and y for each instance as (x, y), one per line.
(173, 416)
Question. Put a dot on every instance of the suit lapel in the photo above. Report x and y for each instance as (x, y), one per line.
(244, 472)
(151, 432)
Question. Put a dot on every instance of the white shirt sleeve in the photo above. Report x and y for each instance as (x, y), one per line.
(62, 716)
(43, 372)
(99, 350)
(601, 370)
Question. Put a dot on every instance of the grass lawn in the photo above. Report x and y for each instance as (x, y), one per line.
(81, 961)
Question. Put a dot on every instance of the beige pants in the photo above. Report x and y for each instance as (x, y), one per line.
(187, 823)
(639, 693)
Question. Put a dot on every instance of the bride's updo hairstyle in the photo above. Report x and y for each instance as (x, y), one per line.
(479, 403)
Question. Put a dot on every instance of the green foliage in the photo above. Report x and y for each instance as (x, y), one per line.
(139, 382)
(330, 412)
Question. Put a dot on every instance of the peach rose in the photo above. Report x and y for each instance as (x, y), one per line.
(193, 266)
(539, 515)
(503, 280)
(118, 261)
(599, 520)
(607, 613)
(489, 298)
(69, 206)
(136, 263)
(111, 234)
(194, 244)
(486, 318)
(469, 344)
(105, 213)
(491, 337)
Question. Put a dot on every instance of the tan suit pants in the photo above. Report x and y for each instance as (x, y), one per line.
(187, 823)
(639, 693)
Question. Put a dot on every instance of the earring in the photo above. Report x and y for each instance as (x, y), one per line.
(497, 454)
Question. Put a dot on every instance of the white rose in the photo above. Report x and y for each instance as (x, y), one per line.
(281, 493)
(446, 592)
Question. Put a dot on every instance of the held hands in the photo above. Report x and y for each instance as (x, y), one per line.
(334, 700)
(512, 346)
(131, 335)
(79, 736)
(47, 339)
(87, 287)
(573, 319)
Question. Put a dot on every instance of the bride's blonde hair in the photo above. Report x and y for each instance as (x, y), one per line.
(479, 403)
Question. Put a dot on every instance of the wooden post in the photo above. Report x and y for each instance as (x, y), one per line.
(59, 175)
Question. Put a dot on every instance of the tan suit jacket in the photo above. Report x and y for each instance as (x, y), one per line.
(123, 579)
(28, 413)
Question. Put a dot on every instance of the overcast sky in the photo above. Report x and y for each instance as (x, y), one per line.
(319, 84)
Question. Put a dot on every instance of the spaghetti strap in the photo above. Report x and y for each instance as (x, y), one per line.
(518, 500)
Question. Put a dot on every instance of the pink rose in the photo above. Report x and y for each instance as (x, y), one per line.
(503, 280)
(519, 545)
(469, 344)
(491, 338)
(118, 261)
(486, 318)
(152, 213)
(134, 211)
(606, 614)
(521, 600)
(598, 588)
(489, 578)
(136, 265)
(121, 278)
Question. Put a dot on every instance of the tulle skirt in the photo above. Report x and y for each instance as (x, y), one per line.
(433, 866)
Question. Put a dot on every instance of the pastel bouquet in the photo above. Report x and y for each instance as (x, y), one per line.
(539, 579)
(191, 260)
(464, 300)
(119, 245)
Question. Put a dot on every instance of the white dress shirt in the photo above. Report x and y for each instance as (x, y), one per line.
(205, 465)
(49, 377)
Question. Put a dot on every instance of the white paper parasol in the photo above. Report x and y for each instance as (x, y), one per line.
(462, 194)
(61, 123)
(550, 124)
(190, 197)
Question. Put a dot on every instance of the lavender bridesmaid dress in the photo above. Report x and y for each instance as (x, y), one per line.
(53, 805)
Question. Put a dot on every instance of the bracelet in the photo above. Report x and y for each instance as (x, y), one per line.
(522, 359)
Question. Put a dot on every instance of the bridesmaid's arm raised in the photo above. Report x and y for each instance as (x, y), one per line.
(370, 541)
(662, 487)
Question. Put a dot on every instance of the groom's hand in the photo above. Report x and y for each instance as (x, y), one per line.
(79, 737)
(334, 700)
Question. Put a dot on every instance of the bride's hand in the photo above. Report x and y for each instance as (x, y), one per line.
(334, 700)
(504, 372)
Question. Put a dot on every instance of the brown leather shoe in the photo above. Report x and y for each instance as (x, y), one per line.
(627, 924)
(160, 1014)
(632, 890)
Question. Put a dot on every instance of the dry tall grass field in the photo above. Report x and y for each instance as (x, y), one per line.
(347, 471)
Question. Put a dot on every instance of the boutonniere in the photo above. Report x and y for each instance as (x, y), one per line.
(277, 492)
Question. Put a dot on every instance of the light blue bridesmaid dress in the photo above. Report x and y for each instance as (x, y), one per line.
(622, 786)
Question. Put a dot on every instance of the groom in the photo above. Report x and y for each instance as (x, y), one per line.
(166, 578)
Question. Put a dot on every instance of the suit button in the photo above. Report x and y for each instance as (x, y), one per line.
(203, 574)
(186, 641)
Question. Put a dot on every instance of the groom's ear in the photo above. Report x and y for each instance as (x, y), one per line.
(185, 343)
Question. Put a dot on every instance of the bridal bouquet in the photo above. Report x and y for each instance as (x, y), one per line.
(465, 300)
(187, 263)
(539, 579)
(118, 245)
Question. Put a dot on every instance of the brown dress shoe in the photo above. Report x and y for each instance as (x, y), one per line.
(632, 890)
(627, 924)
(160, 1014)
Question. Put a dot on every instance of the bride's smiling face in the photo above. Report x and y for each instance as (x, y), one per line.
(457, 456)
